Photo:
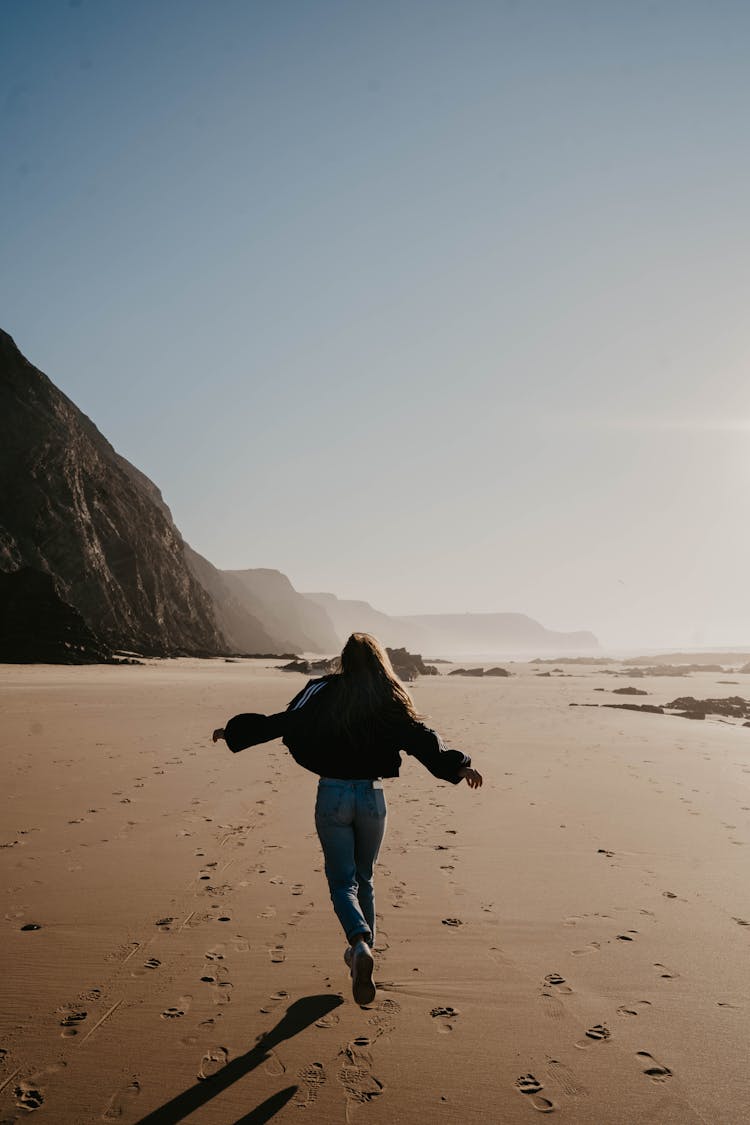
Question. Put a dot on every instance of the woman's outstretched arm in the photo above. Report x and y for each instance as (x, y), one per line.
(449, 765)
(250, 730)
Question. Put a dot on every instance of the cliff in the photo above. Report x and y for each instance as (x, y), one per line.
(296, 622)
(71, 507)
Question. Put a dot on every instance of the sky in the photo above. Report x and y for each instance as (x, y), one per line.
(439, 305)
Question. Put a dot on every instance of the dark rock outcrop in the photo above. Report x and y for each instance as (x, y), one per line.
(409, 665)
(733, 707)
(485, 672)
(730, 709)
(628, 691)
(310, 667)
(71, 507)
(650, 708)
(38, 627)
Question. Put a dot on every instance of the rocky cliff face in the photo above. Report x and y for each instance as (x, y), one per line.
(38, 627)
(239, 615)
(298, 624)
(71, 507)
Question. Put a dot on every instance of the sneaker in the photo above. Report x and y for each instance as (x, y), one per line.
(363, 986)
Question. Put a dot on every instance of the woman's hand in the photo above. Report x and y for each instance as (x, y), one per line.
(473, 777)
(219, 733)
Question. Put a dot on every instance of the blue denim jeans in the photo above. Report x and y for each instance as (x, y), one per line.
(350, 817)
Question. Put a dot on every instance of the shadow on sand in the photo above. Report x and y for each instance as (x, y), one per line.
(298, 1016)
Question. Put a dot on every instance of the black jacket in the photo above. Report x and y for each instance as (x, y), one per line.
(316, 746)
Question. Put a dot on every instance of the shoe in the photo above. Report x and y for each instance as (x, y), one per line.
(363, 986)
(348, 957)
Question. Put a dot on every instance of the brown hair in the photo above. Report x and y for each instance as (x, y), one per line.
(369, 696)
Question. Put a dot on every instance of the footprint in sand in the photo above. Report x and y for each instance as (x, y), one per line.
(530, 1087)
(214, 1060)
(241, 944)
(383, 1018)
(624, 1010)
(181, 1008)
(28, 1096)
(326, 1021)
(298, 888)
(381, 942)
(311, 1078)
(664, 972)
(355, 1074)
(121, 1103)
(277, 954)
(445, 1018)
(628, 935)
(221, 988)
(273, 1064)
(148, 966)
(215, 953)
(599, 1033)
(656, 1071)
(592, 947)
(71, 1018)
(452, 922)
(274, 1000)
(557, 981)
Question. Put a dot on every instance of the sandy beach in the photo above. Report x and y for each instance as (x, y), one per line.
(573, 939)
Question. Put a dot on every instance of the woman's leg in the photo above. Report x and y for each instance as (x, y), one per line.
(369, 830)
(334, 821)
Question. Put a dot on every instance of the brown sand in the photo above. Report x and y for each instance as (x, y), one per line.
(184, 912)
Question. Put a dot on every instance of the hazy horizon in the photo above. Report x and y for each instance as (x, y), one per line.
(439, 306)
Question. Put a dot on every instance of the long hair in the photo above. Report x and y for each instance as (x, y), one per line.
(369, 697)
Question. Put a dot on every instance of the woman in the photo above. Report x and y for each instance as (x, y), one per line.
(349, 728)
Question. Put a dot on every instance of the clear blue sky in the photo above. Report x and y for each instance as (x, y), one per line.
(440, 305)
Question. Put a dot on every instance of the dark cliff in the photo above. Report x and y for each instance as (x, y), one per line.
(38, 627)
(71, 507)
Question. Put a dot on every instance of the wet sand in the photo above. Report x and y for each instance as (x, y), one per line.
(573, 939)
